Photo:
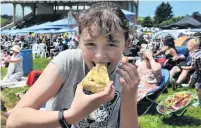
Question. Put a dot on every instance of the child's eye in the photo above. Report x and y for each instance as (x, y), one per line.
(90, 45)
(112, 45)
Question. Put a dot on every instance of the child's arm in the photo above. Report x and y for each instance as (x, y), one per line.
(26, 113)
(129, 80)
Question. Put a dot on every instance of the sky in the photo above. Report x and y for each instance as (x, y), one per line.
(146, 8)
(179, 8)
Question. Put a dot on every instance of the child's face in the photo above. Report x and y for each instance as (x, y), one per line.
(190, 46)
(100, 49)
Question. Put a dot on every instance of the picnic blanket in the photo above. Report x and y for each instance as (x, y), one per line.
(21, 83)
(144, 89)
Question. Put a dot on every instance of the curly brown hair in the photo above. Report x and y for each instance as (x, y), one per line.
(105, 15)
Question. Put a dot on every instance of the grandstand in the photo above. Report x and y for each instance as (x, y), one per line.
(48, 10)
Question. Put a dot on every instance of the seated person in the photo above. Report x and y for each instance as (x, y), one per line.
(15, 71)
(57, 49)
(170, 53)
(150, 73)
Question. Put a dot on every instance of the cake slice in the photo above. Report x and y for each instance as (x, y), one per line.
(97, 79)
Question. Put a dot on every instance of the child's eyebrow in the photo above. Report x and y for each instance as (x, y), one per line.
(114, 41)
(89, 40)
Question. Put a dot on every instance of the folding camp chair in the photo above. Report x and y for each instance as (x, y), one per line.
(154, 94)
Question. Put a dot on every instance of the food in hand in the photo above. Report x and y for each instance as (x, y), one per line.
(97, 79)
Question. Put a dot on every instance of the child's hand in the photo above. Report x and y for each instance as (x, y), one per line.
(83, 104)
(129, 80)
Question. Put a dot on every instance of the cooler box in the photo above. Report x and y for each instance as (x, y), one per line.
(27, 63)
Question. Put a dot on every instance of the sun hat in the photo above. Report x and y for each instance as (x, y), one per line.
(16, 48)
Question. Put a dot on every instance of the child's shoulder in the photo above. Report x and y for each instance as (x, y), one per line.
(71, 53)
(68, 55)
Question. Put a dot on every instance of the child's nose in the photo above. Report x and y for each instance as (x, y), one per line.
(100, 54)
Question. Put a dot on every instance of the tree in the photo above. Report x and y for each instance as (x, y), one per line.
(163, 12)
(147, 22)
(197, 16)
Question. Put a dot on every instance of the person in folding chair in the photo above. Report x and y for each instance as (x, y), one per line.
(150, 73)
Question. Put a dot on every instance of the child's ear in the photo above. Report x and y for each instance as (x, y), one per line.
(127, 43)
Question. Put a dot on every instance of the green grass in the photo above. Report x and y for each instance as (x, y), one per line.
(191, 119)
(40, 63)
(3, 21)
(140, 18)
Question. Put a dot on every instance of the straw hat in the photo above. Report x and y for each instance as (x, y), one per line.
(16, 48)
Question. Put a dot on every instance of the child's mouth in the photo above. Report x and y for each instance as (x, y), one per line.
(106, 64)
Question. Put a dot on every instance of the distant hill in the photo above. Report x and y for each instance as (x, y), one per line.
(5, 19)
(140, 19)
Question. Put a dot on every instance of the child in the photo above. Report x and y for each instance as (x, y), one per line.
(103, 36)
(195, 53)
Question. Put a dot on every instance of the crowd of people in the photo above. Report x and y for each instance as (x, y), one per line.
(53, 42)
(101, 40)
(183, 62)
(42, 45)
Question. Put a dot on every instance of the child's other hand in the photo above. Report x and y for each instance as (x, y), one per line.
(129, 80)
(84, 104)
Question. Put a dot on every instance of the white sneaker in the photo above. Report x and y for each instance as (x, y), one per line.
(185, 85)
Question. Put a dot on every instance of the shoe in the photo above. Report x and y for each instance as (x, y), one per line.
(197, 104)
(185, 85)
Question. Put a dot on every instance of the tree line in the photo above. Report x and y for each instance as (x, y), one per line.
(164, 16)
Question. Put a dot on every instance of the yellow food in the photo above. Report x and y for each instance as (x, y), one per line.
(97, 79)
